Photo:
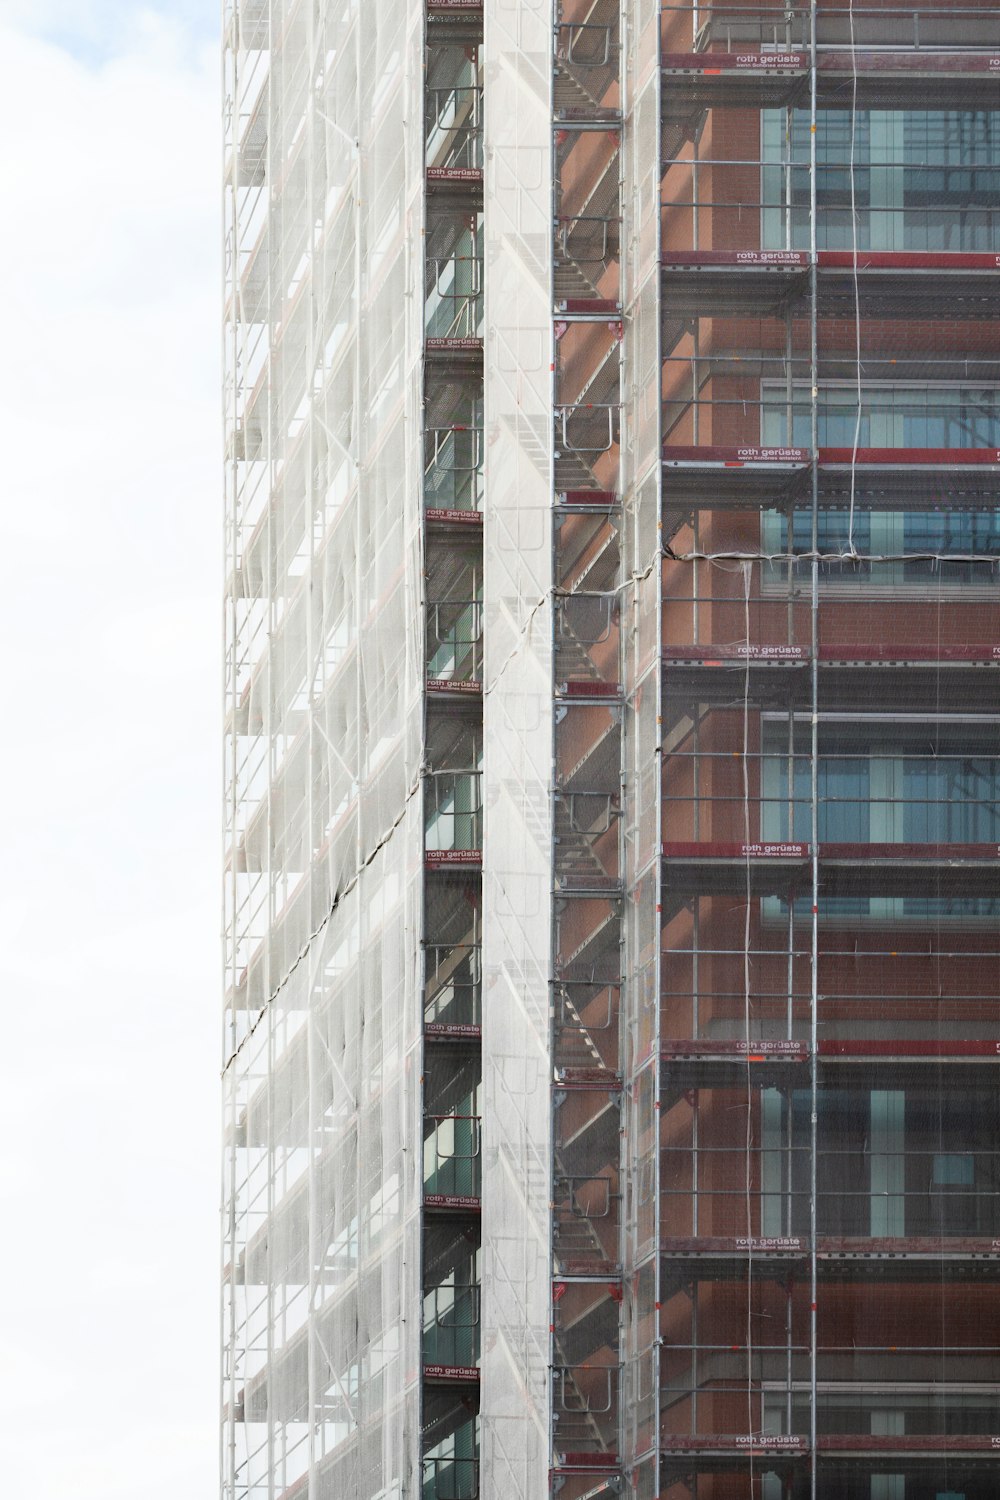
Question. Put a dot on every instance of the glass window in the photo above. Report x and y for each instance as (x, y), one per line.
(953, 1170)
(943, 546)
(922, 180)
(890, 417)
(914, 787)
(880, 797)
(951, 799)
(836, 538)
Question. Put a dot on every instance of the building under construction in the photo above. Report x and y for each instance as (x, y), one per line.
(612, 1006)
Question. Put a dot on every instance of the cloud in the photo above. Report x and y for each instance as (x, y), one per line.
(111, 522)
(92, 31)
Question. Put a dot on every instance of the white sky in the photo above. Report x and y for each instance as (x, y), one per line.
(110, 758)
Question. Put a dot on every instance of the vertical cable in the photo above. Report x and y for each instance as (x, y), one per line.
(313, 1111)
(746, 569)
(851, 550)
(814, 737)
(417, 270)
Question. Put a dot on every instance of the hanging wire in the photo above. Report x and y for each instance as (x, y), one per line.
(851, 549)
(745, 760)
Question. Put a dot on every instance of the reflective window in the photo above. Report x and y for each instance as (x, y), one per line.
(922, 180)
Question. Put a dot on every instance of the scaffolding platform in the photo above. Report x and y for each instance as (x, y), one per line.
(908, 1050)
(754, 80)
(588, 1078)
(459, 520)
(451, 1374)
(462, 1204)
(710, 283)
(726, 1451)
(734, 1447)
(451, 1031)
(901, 1445)
(453, 859)
(777, 677)
(455, 351)
(913, 1259)
(454, 21)
(692, 1259)
(734, 478)
(464, 180)
(905, 479)
(919, 79)
(453, 687)
(585, 1463)
(586, 502)
(760, 869)
(689, 1260)
(732, 1064)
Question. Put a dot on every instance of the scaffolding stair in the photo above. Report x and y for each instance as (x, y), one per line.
(573, 661)
(577, 866)
(569, 95)
(576, 1428)
(570, 281)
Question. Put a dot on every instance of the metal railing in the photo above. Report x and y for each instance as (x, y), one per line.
(454, 127)
(453, 984)
(453, 810)
(584, 1197)
(588, 240)
(450, 1478)
(454, 297)
(734, 27)
(585, 1407)
(589, 430)
(452, 1321)
(455, 640)
(452, 1155)
(453, 467)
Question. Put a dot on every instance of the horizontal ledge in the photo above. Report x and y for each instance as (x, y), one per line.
(865, 853)
(460, 859)
(579, 1268)
(903, 655)
(765, 1050)
(596, 499)
(452, 1031)
(453, 687)
(584, 687)
(766, 262)
(453, 517)
(794, 64)
(588, 307)
(469, 347)
(588, 1078)
(784, 1247)
(452, 1374)
(597, 1463)
(455, 176)
(862, 1443)
(452, 1203)
(797, 458)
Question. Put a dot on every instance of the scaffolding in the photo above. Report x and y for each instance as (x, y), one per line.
(325, 736)
(825, 1033)
(613, 531)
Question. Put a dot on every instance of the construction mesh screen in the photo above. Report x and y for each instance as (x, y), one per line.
(613, 528)
(324, 742)
(828, 959)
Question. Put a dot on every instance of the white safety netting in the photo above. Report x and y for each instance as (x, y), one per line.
(324, 828)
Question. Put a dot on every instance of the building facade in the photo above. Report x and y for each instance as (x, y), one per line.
(612, 1006)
